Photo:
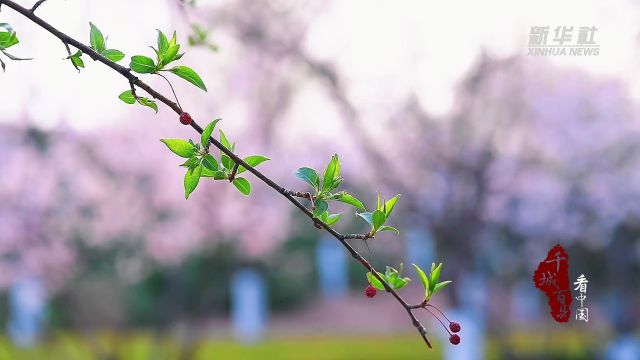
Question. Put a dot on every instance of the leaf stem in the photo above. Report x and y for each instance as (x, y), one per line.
(234, 171)
(172, 90)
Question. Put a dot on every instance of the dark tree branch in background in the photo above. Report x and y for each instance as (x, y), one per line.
(134, 81)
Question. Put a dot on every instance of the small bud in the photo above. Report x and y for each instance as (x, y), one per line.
(370, 291)
(454, 339)
(454, 326)
(185, 118)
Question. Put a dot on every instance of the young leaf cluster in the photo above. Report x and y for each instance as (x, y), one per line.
(392, 276)
(99, 44)
(324, 190)
(201, 164)
(8, 38)
(379, 217)
(431, 283)
(166, 53)
(129, 98)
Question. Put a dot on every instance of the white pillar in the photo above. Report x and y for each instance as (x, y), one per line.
(248, 305)
(27, 301)
(333, 269)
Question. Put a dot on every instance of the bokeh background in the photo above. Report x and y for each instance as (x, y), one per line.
(498, 157)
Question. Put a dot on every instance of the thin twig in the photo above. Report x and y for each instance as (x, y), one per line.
(234, 171)
(176, 108)
(133, 89)
(36, 5)
(171, 86)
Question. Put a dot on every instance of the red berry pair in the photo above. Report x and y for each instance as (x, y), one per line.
(453, 326)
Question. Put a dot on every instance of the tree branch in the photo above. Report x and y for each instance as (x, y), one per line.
(36, 5)
(301, 194)
(125, 72)
(358, 236)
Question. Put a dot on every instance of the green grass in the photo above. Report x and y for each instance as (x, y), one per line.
(565, 344)
(144, 346)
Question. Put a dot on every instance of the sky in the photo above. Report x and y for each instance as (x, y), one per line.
(386, 49)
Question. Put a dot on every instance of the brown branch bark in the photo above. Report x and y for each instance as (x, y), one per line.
(36, 5)
(132, 79)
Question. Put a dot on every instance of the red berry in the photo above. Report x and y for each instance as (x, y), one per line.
(454, 326)
(185, 118)
(454, 339)
(370, 291)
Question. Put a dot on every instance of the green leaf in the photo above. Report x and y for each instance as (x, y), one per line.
(206, 133)
(440, 286)
(189, 75)
(8, 39)
(127, 97)
(242, 185)
(423, 278)
(332, 219)
(191, 162)
(76, 60)
(320, 207)
(378, 218)
(171, 54)
(367, 216)
(225, 141)
(336, 183)
(349, 199)
(227, 162)
(400, 282)
(309, 176)
(375, 282)
(142, 64)
(389, 228)
(96, 39)
(147, 102)
(435, 276)
(389, 205)
(180, 147)
(113, 54)
(391, 274)
(216, 175)
(331, 173)
(163, 43)
(210, 162)
(253, 160)
(191, 179)
(324, 216)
